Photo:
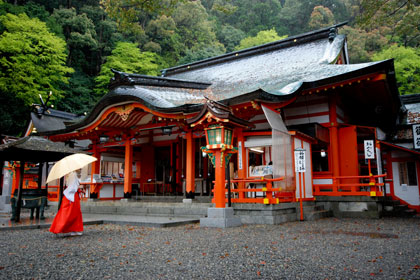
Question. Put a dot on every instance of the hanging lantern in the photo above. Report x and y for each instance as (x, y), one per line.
(103, 138)
(166, 130)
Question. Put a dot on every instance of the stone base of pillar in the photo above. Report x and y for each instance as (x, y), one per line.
(187, 200)
(125, 200)
(220, 218)
(5, 206)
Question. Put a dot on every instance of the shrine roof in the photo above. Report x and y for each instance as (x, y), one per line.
(34, 149)
(50, 119)
(273, 72)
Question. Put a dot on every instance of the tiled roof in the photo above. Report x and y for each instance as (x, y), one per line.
(34, 149)
(272, 72)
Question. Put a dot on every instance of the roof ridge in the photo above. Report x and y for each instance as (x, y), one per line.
(123, 78)
(312, 35)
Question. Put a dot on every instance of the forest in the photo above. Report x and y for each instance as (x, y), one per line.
(67, 47)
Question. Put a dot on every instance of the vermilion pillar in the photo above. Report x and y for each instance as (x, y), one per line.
(190, 168)
(219, 187)
(95, 169)
(334, 135)
(128, 168)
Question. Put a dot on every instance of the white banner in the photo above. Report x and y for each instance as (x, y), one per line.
(300, 165)
(369, 149)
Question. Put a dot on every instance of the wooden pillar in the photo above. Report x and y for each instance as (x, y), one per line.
(242, 166)
(334, 135)
(190, 168)
(19, 197)
(206, 174)
(41, 164)
(179, 160)
(15, 182)
(219, 187)
(60, 192)
(95, 170)
(174, 161)
(128, 168)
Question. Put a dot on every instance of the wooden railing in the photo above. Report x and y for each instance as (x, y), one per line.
(372, 186)
(269, 195)
(53, 193)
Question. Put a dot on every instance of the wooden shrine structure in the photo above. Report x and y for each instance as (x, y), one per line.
(298, 94)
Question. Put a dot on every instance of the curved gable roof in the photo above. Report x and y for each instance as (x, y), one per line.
(272, 72)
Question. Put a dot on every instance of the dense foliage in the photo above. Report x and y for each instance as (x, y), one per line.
(69, 47)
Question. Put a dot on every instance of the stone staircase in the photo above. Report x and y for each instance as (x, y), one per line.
(279, 213)
(394, 208)
(174, 207)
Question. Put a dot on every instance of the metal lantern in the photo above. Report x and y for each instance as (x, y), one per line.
(218, 136)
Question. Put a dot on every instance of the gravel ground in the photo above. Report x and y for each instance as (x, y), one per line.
(331, 248)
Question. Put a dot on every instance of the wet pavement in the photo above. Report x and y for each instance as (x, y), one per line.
(90, 219)
(330, 248)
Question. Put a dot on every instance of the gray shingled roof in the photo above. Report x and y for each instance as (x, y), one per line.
(34, 149)
(278, 72)
(272, 72)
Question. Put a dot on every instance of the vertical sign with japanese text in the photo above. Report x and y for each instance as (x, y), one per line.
(300, 160)
(416, 136)
(369, 149)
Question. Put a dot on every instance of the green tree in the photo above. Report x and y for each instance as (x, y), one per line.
(407, 67)
(230, 36)
(201, 54)
(403, 16)
(32, 59)
(130, 14)
(193, 25)
(80, 35)
(295, 14)
(254, 16)
(14, 114)
(263, 37)
(321, 17)
(127, 57)
(164, 39)
(80, 99)
(106, 35)
(363, 44)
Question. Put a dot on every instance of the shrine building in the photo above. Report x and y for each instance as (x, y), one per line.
(284, 122)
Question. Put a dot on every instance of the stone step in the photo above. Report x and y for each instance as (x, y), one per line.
(174, 199)
(148, 209)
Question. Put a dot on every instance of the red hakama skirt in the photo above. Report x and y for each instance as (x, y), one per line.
(69, 216)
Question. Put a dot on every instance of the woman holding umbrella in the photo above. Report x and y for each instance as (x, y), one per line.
(69, 217)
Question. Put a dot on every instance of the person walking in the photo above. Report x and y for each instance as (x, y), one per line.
(68, 220)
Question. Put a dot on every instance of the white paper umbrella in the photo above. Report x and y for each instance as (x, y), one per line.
(69, 164)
